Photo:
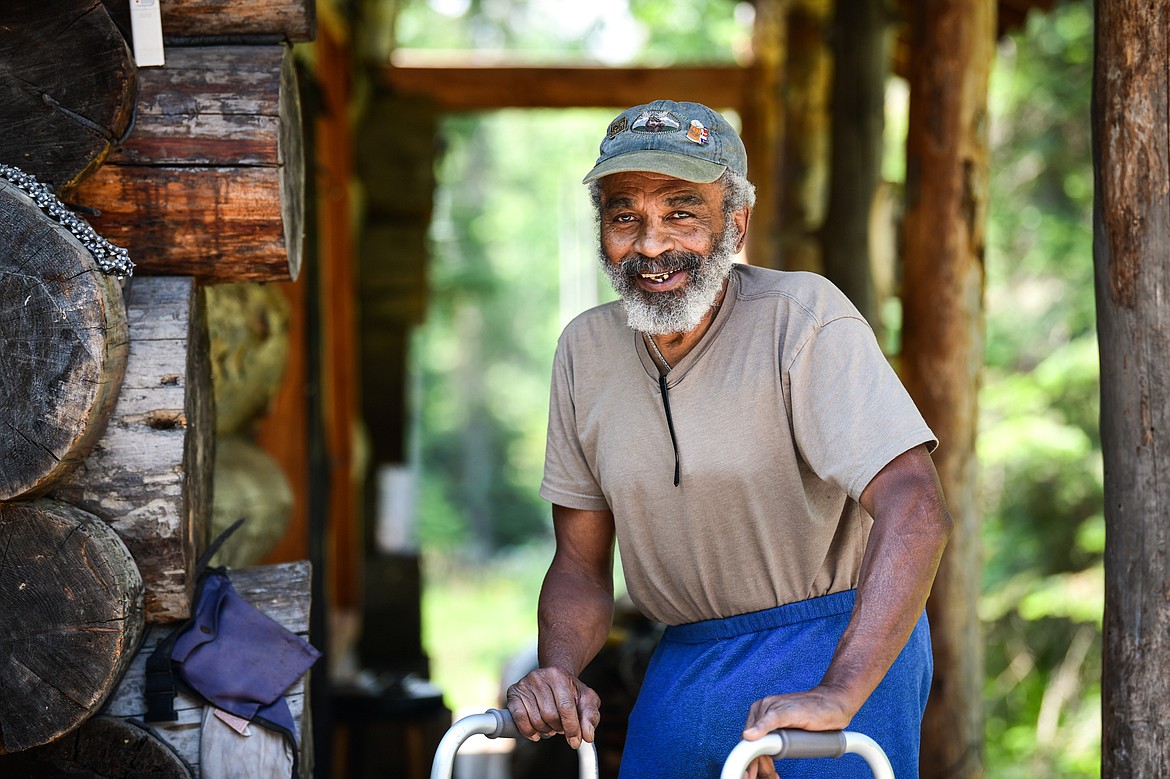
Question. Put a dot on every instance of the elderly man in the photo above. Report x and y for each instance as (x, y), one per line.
(766, 476)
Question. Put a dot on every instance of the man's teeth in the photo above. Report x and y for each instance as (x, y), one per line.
(657, 277)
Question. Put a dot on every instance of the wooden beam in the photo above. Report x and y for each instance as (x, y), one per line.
(482, 88)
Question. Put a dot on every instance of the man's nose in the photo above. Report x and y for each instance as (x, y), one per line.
(654, 239)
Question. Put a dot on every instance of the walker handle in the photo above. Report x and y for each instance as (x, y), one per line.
(495, 723)
(788, 743)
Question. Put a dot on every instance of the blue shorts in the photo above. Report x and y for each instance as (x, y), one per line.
(704, 677)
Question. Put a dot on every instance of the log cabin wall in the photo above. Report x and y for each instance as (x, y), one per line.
(202, 180)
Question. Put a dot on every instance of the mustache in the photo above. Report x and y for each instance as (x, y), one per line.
(637, 264)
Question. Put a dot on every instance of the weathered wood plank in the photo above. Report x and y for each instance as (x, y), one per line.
(211, 181)
(71, 614)
(280, 591)
(67, 81)
(149, 475)
(63, 348)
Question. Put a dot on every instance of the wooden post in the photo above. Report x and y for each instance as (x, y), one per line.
(946, 194)
(1131, 253)
(763, 133)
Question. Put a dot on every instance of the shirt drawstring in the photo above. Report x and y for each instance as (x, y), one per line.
(669, 424)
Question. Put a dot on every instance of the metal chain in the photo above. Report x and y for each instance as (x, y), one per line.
(111, 260)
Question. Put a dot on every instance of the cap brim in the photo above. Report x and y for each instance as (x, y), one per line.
(678, 166)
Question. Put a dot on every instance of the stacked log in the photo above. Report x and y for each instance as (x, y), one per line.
(62, 114)
(64, 347)
(107, 422)
(150, 474)
(70, 619)
(184, 21)
(210, 183)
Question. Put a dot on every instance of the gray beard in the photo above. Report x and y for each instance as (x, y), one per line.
(662, 313)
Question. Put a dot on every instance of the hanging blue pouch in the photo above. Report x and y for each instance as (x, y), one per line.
(231, 655)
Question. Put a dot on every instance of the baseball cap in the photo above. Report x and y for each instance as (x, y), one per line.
(688, 141)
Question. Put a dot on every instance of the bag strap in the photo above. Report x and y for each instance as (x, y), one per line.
(160, 689)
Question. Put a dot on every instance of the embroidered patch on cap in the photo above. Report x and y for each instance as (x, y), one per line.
(698, 133)
(618, 126)
(655, 122)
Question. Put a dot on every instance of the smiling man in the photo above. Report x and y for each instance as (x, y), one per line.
(740, 435)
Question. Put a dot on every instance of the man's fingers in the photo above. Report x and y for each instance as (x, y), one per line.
(570, 724)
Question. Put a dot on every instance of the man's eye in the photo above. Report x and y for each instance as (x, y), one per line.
(624, 218)
(682, 215)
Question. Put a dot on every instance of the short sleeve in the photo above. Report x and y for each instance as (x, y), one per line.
(568, 479)
(850, 413)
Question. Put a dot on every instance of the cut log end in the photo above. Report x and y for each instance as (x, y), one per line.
(66, 89)
(64, 346)
(71, 615)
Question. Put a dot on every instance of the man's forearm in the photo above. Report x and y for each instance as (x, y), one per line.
(574, 618)
(900, 563)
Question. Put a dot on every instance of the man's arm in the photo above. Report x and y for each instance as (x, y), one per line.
(574, 617)
(911, 526)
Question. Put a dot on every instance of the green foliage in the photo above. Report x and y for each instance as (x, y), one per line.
(1039, 445)
(648, 32)
(511, 227)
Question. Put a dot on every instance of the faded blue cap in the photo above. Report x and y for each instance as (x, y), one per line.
(688, 141)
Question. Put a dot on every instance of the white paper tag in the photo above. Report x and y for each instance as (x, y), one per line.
(146, 29)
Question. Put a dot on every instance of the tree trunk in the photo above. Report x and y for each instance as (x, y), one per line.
(858, 118)
(1131, 244)
(70, 619)
(946, 190)
(62, 347)
(103, 748)
(149, 476)
(211, 181)
(66, 88)
(291, 20)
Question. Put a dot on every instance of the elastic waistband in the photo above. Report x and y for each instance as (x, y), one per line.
(769, 619)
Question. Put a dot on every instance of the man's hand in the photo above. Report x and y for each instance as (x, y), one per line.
(549, 701)
(818, 709)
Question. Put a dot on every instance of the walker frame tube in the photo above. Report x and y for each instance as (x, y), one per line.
(804, 743)
(495, 723)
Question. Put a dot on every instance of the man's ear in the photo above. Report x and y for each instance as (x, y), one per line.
(742, 217)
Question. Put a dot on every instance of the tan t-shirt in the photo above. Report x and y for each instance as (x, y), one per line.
(783, 412)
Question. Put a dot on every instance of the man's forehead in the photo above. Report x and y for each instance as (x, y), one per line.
(656, 186)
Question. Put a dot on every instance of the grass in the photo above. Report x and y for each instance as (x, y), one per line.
(476, 618)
